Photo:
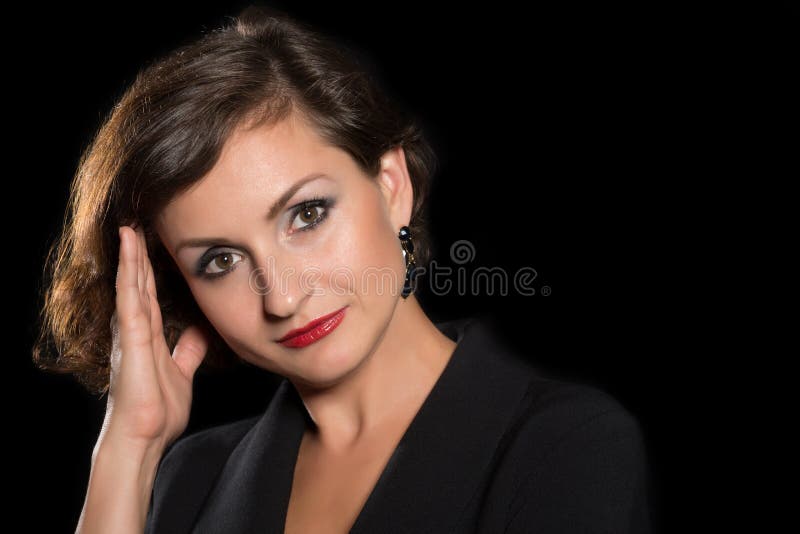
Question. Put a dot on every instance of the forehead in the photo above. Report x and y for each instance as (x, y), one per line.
(254, 168)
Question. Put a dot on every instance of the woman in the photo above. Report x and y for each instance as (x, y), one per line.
(256, 196)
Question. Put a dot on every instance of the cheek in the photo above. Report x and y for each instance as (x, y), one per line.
(224, 308)
(369, 258)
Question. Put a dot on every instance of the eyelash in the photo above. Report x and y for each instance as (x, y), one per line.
(324, 202)
(313, 202)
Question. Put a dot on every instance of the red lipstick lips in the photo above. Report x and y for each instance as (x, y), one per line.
(313, 331)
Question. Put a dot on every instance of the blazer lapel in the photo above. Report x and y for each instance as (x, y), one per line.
(448, 447)
(252, 492)
(430, 477)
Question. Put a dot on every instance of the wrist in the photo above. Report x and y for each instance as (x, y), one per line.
(123, 451)
(121, 481)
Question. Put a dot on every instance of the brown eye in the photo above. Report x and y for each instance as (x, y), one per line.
(309, 216)
(222, 262)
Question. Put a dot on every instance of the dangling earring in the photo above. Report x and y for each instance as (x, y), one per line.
(411, 267)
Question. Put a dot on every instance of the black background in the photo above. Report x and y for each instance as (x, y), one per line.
(572, 140)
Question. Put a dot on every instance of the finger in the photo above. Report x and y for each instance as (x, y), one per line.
(116, 353)
(156, 321)
(127, 282)
(145, 270)
(140, 258)
(190, 350)
(150, 286)
(148, 304)
(133, 348)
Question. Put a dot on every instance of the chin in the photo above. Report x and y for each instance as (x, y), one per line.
(327, 366)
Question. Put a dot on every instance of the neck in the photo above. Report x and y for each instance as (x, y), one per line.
(390, 384)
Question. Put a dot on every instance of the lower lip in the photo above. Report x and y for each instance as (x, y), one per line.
(316, 333)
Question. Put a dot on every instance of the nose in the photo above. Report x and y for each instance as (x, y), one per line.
(280, 287)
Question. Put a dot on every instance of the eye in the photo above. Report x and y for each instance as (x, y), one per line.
(310, 214)
(220, 263)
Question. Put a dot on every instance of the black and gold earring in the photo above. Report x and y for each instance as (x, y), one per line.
(411, 267)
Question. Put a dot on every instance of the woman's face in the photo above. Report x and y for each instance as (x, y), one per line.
(258, 272)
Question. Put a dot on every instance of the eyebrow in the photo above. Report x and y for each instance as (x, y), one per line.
(273, 212)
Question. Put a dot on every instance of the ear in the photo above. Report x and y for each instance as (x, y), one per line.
(395, 185)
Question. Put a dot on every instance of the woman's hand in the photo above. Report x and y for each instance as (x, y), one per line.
(149, 398)
(150, 392)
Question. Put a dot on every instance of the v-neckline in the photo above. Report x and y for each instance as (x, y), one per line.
(431, 474)
(454, 335)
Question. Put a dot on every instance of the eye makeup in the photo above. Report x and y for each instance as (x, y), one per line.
(325, 203)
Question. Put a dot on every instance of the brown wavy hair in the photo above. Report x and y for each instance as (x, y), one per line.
(166, 132)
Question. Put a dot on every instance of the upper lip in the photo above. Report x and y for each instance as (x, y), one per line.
(309, 326)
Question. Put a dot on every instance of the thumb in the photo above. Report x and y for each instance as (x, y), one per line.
(190, 350)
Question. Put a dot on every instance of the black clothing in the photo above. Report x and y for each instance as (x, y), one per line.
(495, 448)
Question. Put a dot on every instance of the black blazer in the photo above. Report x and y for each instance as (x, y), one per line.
(496, 447)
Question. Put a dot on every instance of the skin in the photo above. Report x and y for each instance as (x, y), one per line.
(363, 383)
